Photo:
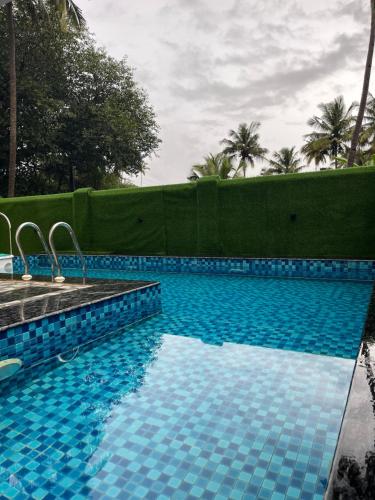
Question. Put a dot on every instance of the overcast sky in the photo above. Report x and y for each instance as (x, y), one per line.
(208, 65)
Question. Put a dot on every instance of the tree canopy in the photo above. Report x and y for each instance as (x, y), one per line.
(244, 144)
(285, 161)
(332, 130)
(83, 120)
(219, 164)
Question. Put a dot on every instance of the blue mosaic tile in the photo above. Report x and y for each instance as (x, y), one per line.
(315, 316)
(42, 339)
(296, 268)
(152, 415)
(190, 403)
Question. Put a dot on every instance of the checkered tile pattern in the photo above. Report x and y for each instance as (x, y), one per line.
(162, 416)
(316, 316)
(40, 340)
(297, 268)
(186, 404)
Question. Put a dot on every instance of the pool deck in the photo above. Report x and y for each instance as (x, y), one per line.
(22, 301)
(353, 470)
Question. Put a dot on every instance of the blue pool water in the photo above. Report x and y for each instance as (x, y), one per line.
(236, 391)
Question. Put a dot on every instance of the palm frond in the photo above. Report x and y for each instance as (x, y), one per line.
(285, 161)
(332, 131)
(219, 164)
(243, 144)
(69, 13)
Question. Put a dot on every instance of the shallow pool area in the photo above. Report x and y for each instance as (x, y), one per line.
(305, 315)
(236, 390)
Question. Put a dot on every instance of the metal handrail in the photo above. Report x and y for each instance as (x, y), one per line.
(10, 231)
(60, 278)
(27, 276)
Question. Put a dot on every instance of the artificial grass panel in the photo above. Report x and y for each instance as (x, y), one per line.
(82, 217)
(180, 216)
(208, 217)
(340, 219)
(325, 214)
(43, 211)
(242, 218)
(128, 221)
(279, 225)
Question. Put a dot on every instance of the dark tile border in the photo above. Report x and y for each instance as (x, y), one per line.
(342, 269)
(44, 306)
(353, 470)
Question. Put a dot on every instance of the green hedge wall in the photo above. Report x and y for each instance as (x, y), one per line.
(324, 214)
(180, 219)
(44, 211)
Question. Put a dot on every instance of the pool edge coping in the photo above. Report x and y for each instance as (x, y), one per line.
(348, 452)
(76, 306)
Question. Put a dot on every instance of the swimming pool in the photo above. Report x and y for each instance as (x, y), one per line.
(236, 390)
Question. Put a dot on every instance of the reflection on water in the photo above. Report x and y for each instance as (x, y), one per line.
(354, 476)
(157, 414)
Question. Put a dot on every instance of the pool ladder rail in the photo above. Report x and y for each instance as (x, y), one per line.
(51, 254)
(6, 218)
(26, 274)
(60, 278)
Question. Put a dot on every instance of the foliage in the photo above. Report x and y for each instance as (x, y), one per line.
(81, 116)
(113, 181)
(366, 144)
(285, 161)
(367, 137)
(219, 164)
(369, 162)
(68, 13)
(369, 119)
(244, 144)
(331, 134)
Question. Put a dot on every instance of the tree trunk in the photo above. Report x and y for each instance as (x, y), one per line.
(72, 181)
(365, 89)
(12, 101)
(335, 156)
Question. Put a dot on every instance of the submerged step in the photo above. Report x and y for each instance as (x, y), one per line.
(9, 367)
(39, 328)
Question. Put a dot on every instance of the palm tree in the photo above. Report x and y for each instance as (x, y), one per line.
(68, 14)
(368, 161)
(218, 164)
(331, 134)
(366, 144)
(285, 161)
(365, 89)
(244, 145)
(369, 115)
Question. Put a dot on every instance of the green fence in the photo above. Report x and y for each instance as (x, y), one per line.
(325, 214)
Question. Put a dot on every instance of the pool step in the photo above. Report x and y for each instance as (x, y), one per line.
(9, 367)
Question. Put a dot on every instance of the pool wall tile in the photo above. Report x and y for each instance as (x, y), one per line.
(44, 338)
(291, 268)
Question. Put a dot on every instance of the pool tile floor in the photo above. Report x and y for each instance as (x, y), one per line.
(190, 404)
(173, 417)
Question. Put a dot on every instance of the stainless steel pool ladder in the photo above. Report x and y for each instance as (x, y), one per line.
(26, 275)
(59, 277)
(6, 218)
